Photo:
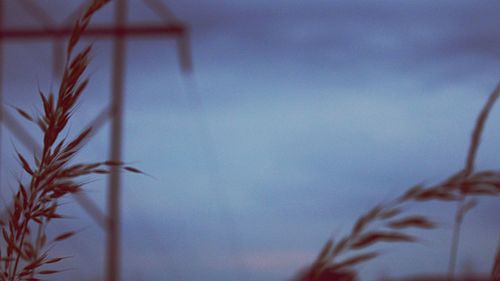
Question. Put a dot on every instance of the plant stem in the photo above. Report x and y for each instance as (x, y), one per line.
(468, 169)
(23, 229)
(455, 241)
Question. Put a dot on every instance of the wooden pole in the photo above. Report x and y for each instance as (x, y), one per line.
(118, 33)
(1, 85)
(114, 193)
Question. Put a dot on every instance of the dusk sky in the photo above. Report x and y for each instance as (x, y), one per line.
(311, 113)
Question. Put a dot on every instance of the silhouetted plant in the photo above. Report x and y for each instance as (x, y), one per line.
(25, 253)
(387, 222)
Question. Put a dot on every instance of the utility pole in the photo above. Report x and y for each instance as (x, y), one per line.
(116, 137)
(171, 27)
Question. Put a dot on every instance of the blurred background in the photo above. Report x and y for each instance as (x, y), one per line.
(298, 117)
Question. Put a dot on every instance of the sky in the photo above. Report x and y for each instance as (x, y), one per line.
(297, 118)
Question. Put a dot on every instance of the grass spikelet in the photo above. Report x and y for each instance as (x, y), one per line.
(133, 170)
(34, 204)
(354, 261)
(24, 114)
(64, 236)
(374, 237)
(412, 221)
(388, 216)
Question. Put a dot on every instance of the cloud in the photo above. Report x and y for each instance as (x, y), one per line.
(269, 262)
(316, 108)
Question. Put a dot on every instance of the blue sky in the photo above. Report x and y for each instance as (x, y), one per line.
(313, 111)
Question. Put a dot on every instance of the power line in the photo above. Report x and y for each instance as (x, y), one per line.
(216, 180)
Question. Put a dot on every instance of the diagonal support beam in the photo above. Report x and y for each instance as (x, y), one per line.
(37, 13)
(99, 121)
(19, 131)
(92, 209)
(161, 10)
(29, 142)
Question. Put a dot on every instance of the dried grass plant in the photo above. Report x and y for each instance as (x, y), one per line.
(389, 222)
(24, 253)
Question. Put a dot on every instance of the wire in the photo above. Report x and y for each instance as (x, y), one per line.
(161, 10)
(37, 13)
(216, 179)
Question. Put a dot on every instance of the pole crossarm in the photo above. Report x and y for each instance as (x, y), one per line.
(171, 30)
(119, 32)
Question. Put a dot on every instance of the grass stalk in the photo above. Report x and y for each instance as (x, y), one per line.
(495, 269)
(388, 222)
(468, 170)
(52, 176)
(455, 242)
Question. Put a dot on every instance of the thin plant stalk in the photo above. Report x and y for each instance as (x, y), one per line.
(52, 175)
(468, 170)
(388, 222)
(495, 270)
(455, 243)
